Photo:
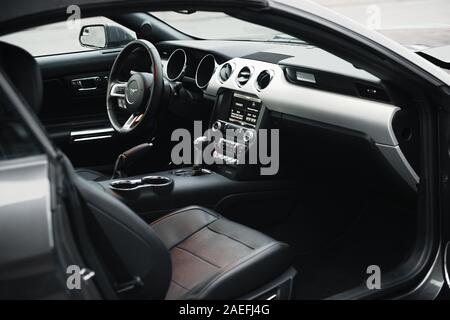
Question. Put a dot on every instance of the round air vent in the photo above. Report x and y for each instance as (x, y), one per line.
(176, 65)
(225, 72)
(263, 79)
(205, 70)
(244, 76)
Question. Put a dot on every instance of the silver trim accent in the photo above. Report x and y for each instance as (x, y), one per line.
(90, 132)
(370, 117)
(272, 297)
(131, 120)
(25, 204)
(252, 72)
(139, 184)
(233, 68)
(88, 89)
(178, 77)
(446, 264)
(199, 64)
(80, 86)
(256, 80)
(246, 97)
(305, 76)
(87, 274)
(92, 138)
(431, 285)
(396, 158)
(115, 87)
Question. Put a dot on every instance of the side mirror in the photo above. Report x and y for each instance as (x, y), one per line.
(104, 36)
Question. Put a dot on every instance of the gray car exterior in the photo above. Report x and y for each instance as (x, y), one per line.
(27, 221)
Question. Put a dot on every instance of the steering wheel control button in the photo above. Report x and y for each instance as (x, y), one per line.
(121, 103)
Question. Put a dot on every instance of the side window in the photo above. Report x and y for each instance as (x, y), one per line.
(64, 37)
(16, 141)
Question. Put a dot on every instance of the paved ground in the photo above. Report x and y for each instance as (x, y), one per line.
(396, 19)
(410, 22)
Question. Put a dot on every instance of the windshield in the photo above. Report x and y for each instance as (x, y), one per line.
(416, 24)
(219, 26)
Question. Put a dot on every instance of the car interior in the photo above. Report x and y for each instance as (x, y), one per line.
(345, 195)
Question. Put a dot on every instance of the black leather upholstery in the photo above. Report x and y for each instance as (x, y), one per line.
(91, 175)
(122, 238)
(193, 253)
(24, 73)
(215, 258)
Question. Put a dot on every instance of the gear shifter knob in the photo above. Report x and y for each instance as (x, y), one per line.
(130, 156)
(199, 144)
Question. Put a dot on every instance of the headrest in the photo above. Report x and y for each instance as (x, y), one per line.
(24, 72)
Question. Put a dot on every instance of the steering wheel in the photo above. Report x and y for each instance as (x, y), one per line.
(137, 93)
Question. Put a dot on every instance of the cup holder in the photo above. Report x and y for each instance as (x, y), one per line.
(156, 180)
(125, 184)
(132, 188)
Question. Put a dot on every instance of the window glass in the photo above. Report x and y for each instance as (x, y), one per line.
(56, 38)
(416, 24)
(218, 25)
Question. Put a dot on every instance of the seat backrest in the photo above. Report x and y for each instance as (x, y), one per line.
(24, 72)
(129, 250)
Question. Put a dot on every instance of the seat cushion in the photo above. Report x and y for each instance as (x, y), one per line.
(215, 258)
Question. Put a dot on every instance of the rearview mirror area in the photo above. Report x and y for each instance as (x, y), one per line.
(104, 36)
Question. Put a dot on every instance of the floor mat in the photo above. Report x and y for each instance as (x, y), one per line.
(333, 257)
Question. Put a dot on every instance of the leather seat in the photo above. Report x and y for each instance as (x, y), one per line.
(192, 253)
(25, 74)
(215, 258)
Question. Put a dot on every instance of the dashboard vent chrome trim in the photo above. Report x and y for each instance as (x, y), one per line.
(225, 72)
(263, 79)
(243, 76)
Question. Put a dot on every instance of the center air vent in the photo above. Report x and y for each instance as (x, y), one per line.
(244, 76)
(263, 79)
(225, 72)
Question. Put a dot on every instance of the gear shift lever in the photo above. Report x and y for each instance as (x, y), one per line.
(128, 157)
(199, 144)
(197, 169)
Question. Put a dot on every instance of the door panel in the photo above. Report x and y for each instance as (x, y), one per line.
(74, 106)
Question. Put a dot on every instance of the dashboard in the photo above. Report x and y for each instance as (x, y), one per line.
(297, 80)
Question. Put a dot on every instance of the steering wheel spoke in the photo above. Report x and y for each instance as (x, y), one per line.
(132, 121)
(118, 89)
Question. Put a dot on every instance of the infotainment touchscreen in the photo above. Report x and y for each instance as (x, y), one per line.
(244, 110)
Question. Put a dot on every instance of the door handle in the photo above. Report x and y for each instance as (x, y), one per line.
(86, 84)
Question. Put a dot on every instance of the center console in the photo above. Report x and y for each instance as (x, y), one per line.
(235, 189)
(237, 117)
